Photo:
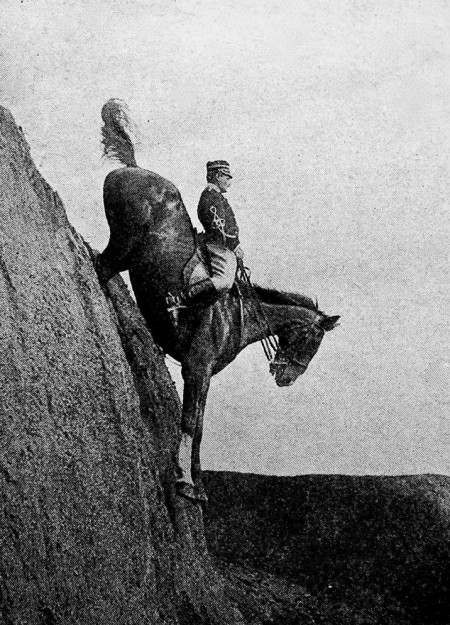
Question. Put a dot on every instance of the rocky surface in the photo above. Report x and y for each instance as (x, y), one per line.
(91, 529)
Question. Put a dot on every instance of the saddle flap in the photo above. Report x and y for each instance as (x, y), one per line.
(197, 267)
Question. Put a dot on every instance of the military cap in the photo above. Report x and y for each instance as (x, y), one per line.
(222, 166)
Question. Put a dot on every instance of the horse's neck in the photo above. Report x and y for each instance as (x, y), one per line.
(269, 320)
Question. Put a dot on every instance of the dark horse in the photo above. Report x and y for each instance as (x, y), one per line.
(151, 236)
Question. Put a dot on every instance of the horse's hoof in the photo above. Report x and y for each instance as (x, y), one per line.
(186, 490)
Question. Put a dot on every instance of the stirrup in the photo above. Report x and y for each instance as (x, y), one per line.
(174, 303)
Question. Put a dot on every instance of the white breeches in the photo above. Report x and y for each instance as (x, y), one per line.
(223, 266)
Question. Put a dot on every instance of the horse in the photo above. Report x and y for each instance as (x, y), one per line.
(152, 236)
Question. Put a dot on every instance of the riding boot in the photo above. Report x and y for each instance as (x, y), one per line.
(202, 293)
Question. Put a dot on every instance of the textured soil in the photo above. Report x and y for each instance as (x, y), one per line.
(369, 549)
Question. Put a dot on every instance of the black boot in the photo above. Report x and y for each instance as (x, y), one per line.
(202, 293)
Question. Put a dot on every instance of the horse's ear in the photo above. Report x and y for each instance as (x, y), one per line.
(328, 323)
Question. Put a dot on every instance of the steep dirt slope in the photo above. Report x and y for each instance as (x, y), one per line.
(91, 531)
(370, 549)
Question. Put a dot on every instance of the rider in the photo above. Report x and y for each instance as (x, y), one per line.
(221, 238)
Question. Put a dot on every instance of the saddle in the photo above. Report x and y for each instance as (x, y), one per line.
(198, 266)
(197, 270)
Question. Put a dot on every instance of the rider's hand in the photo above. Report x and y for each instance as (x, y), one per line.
(239, 252)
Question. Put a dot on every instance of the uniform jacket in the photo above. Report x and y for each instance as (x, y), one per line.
(217, 218)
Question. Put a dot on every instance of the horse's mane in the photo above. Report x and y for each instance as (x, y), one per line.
(283, 298)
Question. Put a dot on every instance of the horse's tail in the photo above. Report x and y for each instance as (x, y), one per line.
(115, 132)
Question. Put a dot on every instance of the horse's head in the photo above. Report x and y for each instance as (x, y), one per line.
(298, 343)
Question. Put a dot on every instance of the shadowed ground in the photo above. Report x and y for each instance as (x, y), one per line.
(370, 548)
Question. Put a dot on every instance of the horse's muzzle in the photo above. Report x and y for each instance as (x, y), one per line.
(286, 374)
(282, 382)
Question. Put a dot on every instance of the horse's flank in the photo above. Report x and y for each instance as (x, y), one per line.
(148, 221)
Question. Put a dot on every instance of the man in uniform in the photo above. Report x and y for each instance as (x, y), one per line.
(221, 238)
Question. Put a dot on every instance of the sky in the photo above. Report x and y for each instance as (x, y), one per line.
(335, 117)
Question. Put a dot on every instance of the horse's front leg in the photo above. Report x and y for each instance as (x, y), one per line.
(196, 468)
(196, 386)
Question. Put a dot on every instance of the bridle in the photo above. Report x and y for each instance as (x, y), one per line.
(285, 357)
(275, 355)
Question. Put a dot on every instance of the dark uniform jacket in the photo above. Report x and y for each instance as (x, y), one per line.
(217, 218)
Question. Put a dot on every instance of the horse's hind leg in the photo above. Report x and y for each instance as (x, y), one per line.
(115, 257)
(128, 219)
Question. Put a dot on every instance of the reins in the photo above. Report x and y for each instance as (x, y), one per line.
(269, 343)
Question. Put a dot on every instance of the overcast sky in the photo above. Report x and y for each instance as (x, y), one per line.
(335, 117)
